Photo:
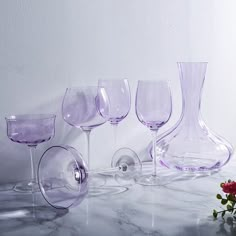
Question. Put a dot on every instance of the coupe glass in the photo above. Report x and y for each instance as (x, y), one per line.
(85, 108)
(30, 130)
(153, 108)
(63, 168)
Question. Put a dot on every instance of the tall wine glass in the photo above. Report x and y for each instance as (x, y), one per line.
(118, 92)
(85, 108)
(153, 109)
(30, 130)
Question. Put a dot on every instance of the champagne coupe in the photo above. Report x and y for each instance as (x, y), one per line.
(85, 108)
(153, 109)
(63, 168)
(30, 130)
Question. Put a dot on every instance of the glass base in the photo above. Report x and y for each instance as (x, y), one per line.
(96, 181)
(27, 187)
(151, 180)
(128, 164)
(6, 187)
(104, 191)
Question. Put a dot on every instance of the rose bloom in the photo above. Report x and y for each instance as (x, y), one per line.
(229, 188)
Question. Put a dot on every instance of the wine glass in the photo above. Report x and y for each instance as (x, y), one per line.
(153, 109)
(118, 92)
(85, 108)
(63, 168)
(30, 130)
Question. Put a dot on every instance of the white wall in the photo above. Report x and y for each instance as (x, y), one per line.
(46, 46)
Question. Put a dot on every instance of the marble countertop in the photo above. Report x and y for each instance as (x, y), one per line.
(182, 207)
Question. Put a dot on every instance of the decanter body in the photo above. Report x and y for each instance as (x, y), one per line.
(190, 145)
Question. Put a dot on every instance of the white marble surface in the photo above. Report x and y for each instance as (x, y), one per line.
(183, 207)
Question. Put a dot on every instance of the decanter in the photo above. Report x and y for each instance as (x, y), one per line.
(190, 145)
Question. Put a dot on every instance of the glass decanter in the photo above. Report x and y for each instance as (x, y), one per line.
(189, 145)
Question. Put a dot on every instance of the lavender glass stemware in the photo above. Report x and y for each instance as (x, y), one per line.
(85, 108)
(63, 168)
(153, 109)
(30, 130)
(118, 92)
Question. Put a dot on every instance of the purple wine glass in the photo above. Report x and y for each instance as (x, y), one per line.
(85, 108)
(30, 130)
(63, 168)
(153, 109)
(118, 92)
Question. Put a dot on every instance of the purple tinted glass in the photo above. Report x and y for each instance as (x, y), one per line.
(118, 92)
(85, 107)
(30, 129)
(63, 169)
(190, 145)
(153, 103)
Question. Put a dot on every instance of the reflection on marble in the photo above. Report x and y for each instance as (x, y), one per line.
(181, 208)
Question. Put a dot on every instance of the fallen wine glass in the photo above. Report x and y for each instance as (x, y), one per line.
(64, 170)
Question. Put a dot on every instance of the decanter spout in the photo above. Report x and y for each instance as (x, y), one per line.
(192, 76)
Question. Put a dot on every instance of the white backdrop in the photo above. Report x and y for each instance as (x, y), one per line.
(46, 46)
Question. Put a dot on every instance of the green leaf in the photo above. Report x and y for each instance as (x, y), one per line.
(229, 208)
(231, 197)
(224, 201)
(218, 196)
(215, 214)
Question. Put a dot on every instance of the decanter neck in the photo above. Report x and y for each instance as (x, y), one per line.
(192, 76)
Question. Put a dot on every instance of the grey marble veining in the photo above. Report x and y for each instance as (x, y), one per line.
(181, 208)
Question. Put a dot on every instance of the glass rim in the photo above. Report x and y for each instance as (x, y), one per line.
(94, 88)
(156, 80)
(81, 87)
(30, 117)
(73, 153)
(192, 62)
(112, 79)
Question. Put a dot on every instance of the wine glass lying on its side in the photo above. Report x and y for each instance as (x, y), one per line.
(63, 168)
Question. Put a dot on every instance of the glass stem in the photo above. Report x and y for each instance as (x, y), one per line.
(33, 176)
(115, 136)
(154, 151)
(113, 170)
(88, 132)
